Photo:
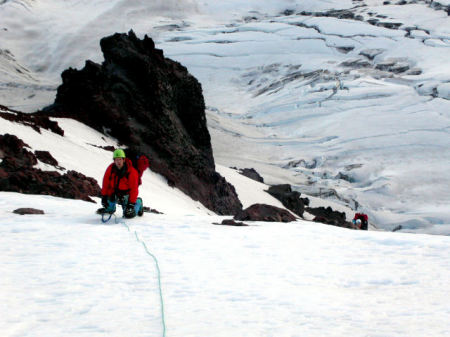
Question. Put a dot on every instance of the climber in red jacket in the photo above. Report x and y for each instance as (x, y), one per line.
(361, 221)
(120, 184)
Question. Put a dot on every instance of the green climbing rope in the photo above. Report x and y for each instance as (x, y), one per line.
(159, 275)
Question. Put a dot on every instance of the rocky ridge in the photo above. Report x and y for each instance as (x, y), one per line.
(152, 105)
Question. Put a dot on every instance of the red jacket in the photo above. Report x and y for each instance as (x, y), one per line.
(127, 184)
(361, 216)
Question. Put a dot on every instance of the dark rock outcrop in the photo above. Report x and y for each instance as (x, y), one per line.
(152, 105)
(17, 174)
(262, 212)
(330, 217)
(290, 199)
(23, 211)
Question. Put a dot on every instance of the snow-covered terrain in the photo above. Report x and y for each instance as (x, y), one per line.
(326, 104)
(341, 108)
(65, 273)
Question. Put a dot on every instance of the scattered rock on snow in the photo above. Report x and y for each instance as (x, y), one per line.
(23, 211)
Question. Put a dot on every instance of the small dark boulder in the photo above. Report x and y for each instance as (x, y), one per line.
(231, 222)
(23, 211)
(290, 199)
(262, 212)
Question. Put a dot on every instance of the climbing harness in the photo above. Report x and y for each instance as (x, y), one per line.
(138, 239)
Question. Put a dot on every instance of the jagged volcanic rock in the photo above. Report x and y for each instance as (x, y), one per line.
(262, 212)
(290, 199)
(153, 105)
(330, 217)
(17, 174)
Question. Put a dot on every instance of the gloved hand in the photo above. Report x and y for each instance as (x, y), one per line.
(129, 211)
(105, 201)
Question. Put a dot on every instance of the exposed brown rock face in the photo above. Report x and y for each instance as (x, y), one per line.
(17, 174)
(154, 106)
(262, 212)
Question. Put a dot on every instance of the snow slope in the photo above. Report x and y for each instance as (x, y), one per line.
(318, 102)
(65, 273)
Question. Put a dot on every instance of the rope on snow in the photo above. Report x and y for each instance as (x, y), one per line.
(138, 239)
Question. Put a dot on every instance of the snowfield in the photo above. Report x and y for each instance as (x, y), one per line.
(67, 274)
(354, 115)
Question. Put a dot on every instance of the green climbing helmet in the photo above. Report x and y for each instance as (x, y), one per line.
(119, 153)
